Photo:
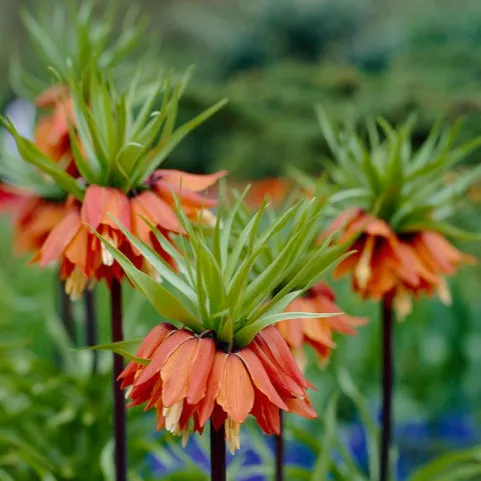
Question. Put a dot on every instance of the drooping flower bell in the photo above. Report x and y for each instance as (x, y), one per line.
(8, 197)
(83, 257)
(52, 130)
(317, 333)
(35, 218)
(229, 361)
(274, 189)
(395, 200)
(190, 380)
(122, 148)
(406, 264)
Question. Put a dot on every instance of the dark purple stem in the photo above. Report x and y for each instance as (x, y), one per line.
(217, 454)
(66, 313)
(91, 325)
(280, 450)
(387, 385)
(119, 401)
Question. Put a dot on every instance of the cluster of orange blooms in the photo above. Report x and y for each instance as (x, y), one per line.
(62, 231)
(189, 377)
(385, 263)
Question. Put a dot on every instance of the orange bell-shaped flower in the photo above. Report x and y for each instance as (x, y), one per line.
(190, 380)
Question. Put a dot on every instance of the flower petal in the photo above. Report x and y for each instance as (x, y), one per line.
(203, 361)
(100, 201)
(171, 343)
(59, 238)
(206, 405)
(94, 205)
(303, 407)
(291, 330)
(150, 206)
(176, 372)
(274, 345)
(259, 377)
(146, 349)
(187, 198)
(77, 250)
(283, 383)
(51, 96)
(236, 395)
(193, 182)
(266, 414)
(153, 339)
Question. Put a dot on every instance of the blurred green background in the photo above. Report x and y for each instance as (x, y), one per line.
(274, 60)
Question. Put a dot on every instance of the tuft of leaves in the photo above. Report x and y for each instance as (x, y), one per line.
(215, 285)
(411, 187)
(115, 141)
(66, 34)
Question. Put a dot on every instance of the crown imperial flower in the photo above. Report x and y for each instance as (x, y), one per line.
(190, 379)
(116, 150)
(228, 361)
(395, 202)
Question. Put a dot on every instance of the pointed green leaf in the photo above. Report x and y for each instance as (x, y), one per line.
(30, 153)
(122, 348)
(166, 304)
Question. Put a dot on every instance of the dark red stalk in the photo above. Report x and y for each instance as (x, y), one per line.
(91, 325)
(280, 450)
(66, 313)
(218, 465)
(387, 385)
(119, 400)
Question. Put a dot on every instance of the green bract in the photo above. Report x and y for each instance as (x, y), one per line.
(308, 259)
(390, 177)
(17, 173)
(66, 34)
(72, 42)
(215, 286)
(115, 142)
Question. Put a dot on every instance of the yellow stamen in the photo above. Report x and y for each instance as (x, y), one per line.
(444, 293)
(207, 218)
(185, 436)
(107, 257)
(300, 357)
(363, 268)
(403, 304)
(232, 431)
(128, 391)
(172, 417)
(75, 284)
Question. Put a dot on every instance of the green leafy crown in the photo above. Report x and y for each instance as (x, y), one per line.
(115, 142)
(68, 36)
(389, 176)
(214, 286)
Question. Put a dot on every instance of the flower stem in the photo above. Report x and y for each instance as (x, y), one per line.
(119, 402)
(217, 454)
(280, 450)
(66, 313)
(387, 385)
(91, 325)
